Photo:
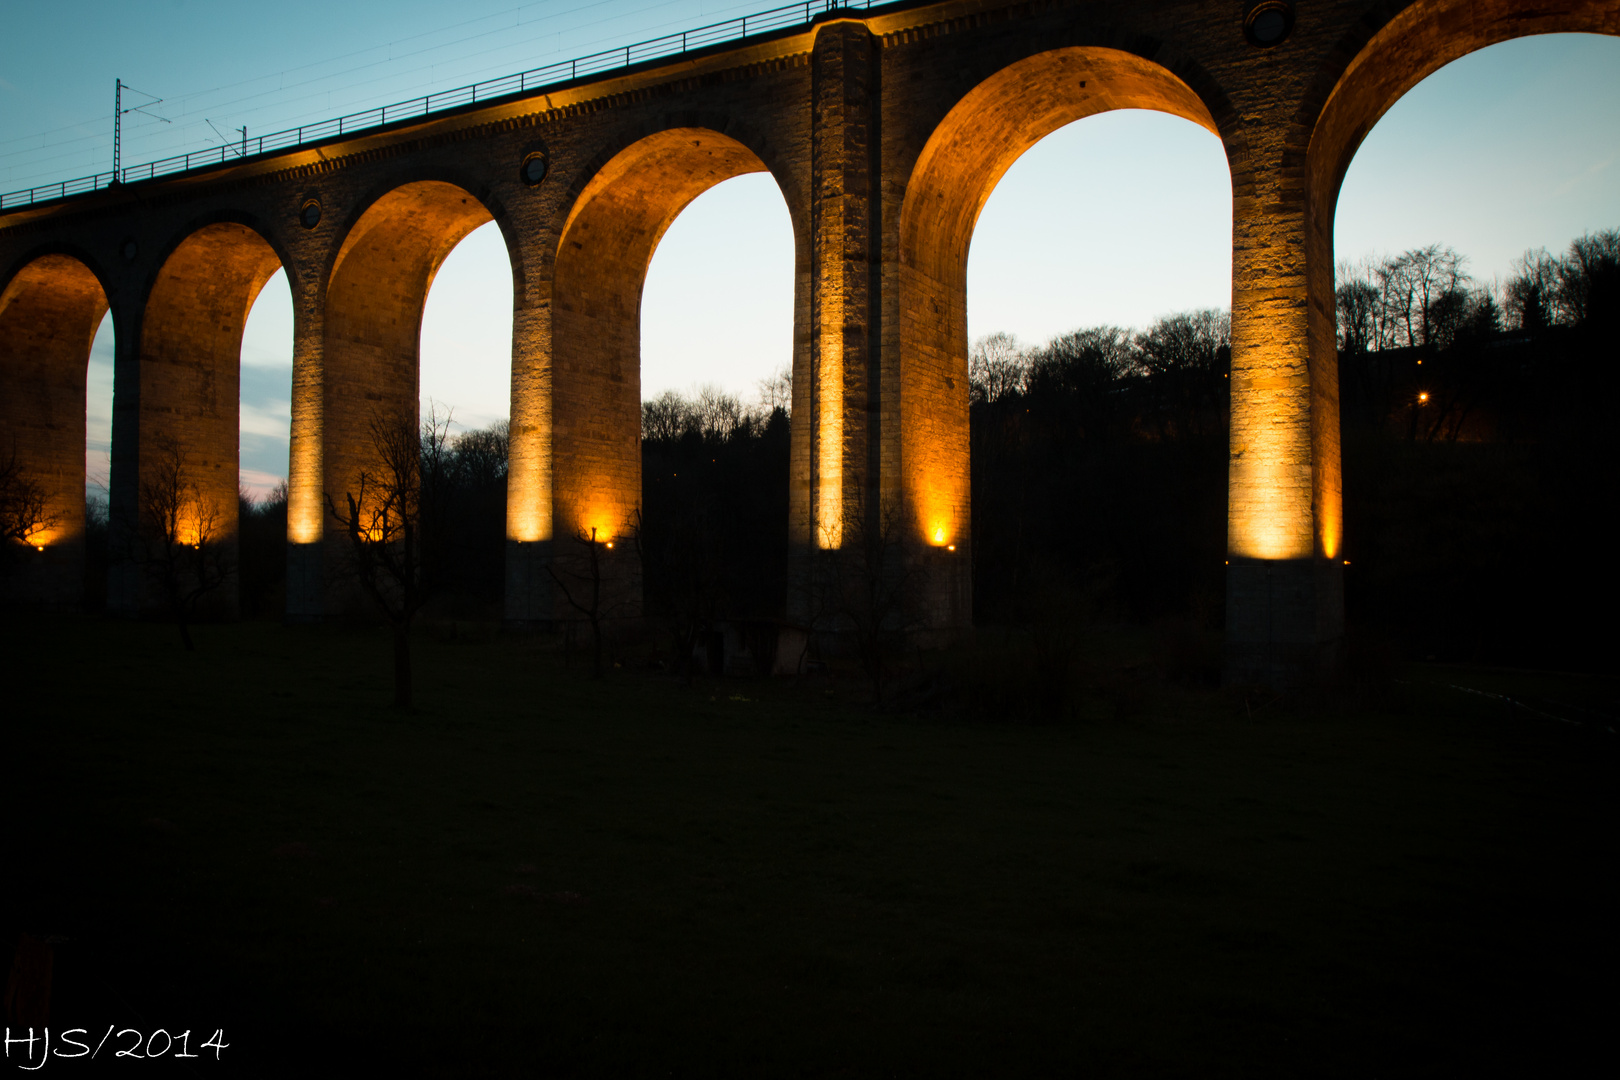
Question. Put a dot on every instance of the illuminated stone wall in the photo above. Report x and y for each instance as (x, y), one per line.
(885, 131)
(49, 313)
(190, 364)
(372, 326)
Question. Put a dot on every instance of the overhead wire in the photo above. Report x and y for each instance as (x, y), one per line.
(189, 104)
(184, 101)
(401, 74)
(40, 168)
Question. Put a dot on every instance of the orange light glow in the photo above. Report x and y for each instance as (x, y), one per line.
(950, 547)
(1423, 399)
(605, 529)
(830, 433)
(528, 478)
(939, 535)
(1330, 530)
(1276, 521)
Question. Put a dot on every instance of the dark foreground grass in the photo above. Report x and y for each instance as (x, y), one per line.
(535, 874)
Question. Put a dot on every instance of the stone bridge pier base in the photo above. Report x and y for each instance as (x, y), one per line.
(1284, 622)
(1285, 514)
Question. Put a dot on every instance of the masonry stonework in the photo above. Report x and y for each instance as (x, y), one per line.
(885, 130)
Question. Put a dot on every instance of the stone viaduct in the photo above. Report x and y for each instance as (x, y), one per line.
(886, 130)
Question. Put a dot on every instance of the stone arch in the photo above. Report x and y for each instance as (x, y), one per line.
(376, 290)
(50, 308)
(189, 376)
(959, 166)
(1373, 71)
(1414, 44)
(372, 207)
(247, 224)
(605, 247)
(758, 141)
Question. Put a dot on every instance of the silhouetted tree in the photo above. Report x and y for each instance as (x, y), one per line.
(713, 527)
(1185, 360)
(262, 551)
(586, 574)
(869, 589)
(1593, 261)
(386, 523)
(1531, 293)
(997, 366)
(776, 392)
(182, 540)
(24, 509)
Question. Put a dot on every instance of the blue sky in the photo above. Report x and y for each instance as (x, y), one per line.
(1116, 219)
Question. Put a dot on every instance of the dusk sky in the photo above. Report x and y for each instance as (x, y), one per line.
(1116, 219)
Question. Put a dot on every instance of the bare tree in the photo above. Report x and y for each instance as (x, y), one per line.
(870, 589)
(664, 418)
(997, 366)
(24, 509)
(776, 392)
(384, 521)
(1532, 291)
(481, 456)
(1590, 257)
(718, 413)
(1357, 302)
(182, 537)
(1185, 358)
(588, 580)
(1426, 274)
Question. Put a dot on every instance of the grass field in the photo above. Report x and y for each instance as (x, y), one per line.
(537, 874)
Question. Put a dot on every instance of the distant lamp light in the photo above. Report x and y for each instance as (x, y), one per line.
(610, 545)
(1423, 398)
(1347, 562)
(939, 536)
(950, 547)
(40, 548)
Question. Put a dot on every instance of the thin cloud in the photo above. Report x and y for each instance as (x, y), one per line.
(1586, 174)
(273, 418)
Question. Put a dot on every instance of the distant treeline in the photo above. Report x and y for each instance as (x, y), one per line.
(1477, 420)
(714, 484)
(1425, 348)
(1099, 489)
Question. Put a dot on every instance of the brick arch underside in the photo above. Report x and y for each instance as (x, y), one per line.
(190, 362)
(606, 247)
(373, 328)
(49, 314)
(1413, 45)
(964, 159)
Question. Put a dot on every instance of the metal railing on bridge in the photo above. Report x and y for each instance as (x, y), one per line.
(534, 80)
